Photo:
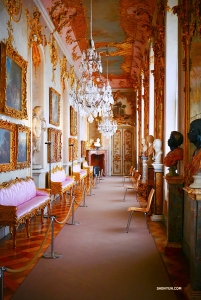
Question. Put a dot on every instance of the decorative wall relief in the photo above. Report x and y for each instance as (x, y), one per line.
(12, 82)
(23, 147)
(8, 150)
(35, 36)
(73, 121)
(64, 75)
(73, 151)
(53, 54)
(13, 8)
(54, 104)
(54, 151)
(38, 125)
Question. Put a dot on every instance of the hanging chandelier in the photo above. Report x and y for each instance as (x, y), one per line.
(89, 100)
(91, 60)
(86, 97)
(107, 127)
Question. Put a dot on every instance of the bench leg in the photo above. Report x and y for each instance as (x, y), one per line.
(42, 213)
(14, 234)
(49, 208)
(28, 227)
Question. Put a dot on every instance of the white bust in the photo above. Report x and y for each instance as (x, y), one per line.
(97, 143)
(157, 144)
(143, 147)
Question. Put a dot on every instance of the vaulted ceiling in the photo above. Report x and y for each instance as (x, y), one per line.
(121, 27)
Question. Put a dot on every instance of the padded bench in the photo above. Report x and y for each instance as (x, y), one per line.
(88, 168)
(78, 173)
(20, 200)
(61, 183)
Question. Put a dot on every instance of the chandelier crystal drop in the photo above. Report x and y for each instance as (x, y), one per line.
(107, 127)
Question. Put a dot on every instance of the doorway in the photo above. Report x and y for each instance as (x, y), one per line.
(123, 150)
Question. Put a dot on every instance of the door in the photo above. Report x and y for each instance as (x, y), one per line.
(123, 150)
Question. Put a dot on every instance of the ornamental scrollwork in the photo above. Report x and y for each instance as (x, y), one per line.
(53, 54)
(35, 35)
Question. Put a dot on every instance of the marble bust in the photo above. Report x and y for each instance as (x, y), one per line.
(157, 144)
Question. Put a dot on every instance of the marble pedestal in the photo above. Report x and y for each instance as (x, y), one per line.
(175, 213)
(39, 177)
(158, 196)
(193, 290)
(144, 169)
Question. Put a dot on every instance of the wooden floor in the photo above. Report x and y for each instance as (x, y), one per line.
(27, 249)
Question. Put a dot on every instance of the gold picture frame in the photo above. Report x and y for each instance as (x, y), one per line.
(54, 102)
(55, 149)
(7, 146)
(73, 121)
(83, 149)
(23, 147)
(12, 82)
(73, 151)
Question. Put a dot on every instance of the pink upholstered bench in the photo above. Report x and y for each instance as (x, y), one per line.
(20, 200)
(78, 173)
(60, 182)
(88, 168)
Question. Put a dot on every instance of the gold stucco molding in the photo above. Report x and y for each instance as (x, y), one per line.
(194, 194)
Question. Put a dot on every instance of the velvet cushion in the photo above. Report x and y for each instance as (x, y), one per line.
(67, 182)
(30, 205)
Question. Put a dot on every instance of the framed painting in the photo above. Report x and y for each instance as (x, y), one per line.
(7, 146)
(54, 102)
(73, 121)
(73, 151)
(12, 82)
(58, 145)
(23, 147)
(51, 157)
(55, 148)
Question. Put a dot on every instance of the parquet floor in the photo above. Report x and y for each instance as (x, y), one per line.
(27, 249)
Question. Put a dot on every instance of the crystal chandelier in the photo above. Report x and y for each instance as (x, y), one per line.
(86, 97)
(107, 127)
(91, 60)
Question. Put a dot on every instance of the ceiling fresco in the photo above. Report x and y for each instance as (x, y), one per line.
(121, 27)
